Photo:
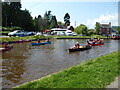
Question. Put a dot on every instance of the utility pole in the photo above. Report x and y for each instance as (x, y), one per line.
(75, 24)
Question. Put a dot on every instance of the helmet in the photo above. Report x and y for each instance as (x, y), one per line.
(77, 42)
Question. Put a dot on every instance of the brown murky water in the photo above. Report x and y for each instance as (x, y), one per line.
(25, 63)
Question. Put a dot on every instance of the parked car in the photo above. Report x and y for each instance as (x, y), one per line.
(39, 33)
(16, 33)
(74, 34)
(30, 33)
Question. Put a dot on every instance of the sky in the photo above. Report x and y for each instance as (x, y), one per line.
(87, 13)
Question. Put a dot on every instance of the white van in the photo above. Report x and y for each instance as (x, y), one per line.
(69, 33)
(58, 31)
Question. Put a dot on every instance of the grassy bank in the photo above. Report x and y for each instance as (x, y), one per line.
(44, 37)
(95, 73)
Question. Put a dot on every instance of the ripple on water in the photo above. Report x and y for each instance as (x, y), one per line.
(26, 63)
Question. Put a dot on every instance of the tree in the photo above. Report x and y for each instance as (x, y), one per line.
(48, 16)
(26, 21)
(71, 28)
(46, 19)
(118, 29)
(35, 23)
(53, 22)
(15, 10)
(67, 19)
(90, 32)
(6, 19)
(40, 23)
(82, 29)
(13, 16)
(97, 27)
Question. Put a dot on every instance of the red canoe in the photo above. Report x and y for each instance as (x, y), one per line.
(6, 49)
(96, 44)
(22, 41)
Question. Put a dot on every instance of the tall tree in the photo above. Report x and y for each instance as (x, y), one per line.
(35, 23)
(40, 23)
(6, 14)
(15, 8)
(26, 20)
(46, 19)
(53, 22)
(67, 19)
(97, 27)
(12, 15)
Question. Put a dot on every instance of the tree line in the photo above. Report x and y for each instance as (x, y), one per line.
(13, 16)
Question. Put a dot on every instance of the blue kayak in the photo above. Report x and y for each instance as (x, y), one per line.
(43, 43)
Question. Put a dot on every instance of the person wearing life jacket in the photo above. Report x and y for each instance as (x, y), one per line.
(5, 45)
(48, 40)
(76, 45)
(99, 40)
(38, 41)
(88, 42)
(93, 42)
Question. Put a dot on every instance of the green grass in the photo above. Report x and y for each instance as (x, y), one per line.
(4, 31)
(93, 36)
(43, 37)
(95, 73)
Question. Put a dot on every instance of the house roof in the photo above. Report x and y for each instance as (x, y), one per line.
(105, 25)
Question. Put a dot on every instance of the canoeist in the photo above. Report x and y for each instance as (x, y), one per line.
(99, 40)
(93, 42)
(38, 41)
(21, 40)
(91, 39)
(88, 42)
(48, 40)
(5, 45)
(76, 45)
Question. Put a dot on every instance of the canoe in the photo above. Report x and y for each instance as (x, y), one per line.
(96, 44)
(47, 42)
(22, 41)
(81, 48)
(116, 37)
(43, 43)
(6, 49)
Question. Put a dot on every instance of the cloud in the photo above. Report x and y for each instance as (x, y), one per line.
(104, 19)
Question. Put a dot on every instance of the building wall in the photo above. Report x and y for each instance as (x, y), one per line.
(105, 29)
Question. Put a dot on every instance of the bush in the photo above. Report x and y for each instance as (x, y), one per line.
(11, 28)
(15, 28)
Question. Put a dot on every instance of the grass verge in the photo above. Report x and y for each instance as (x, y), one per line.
(44, 37)
(95, 73)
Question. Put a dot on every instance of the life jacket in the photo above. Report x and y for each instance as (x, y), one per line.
(5, 45)
(76, 45)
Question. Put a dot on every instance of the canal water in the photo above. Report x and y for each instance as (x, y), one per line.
(25, 62)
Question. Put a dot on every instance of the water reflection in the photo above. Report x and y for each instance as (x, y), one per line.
(25, 62)
(13, 64)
